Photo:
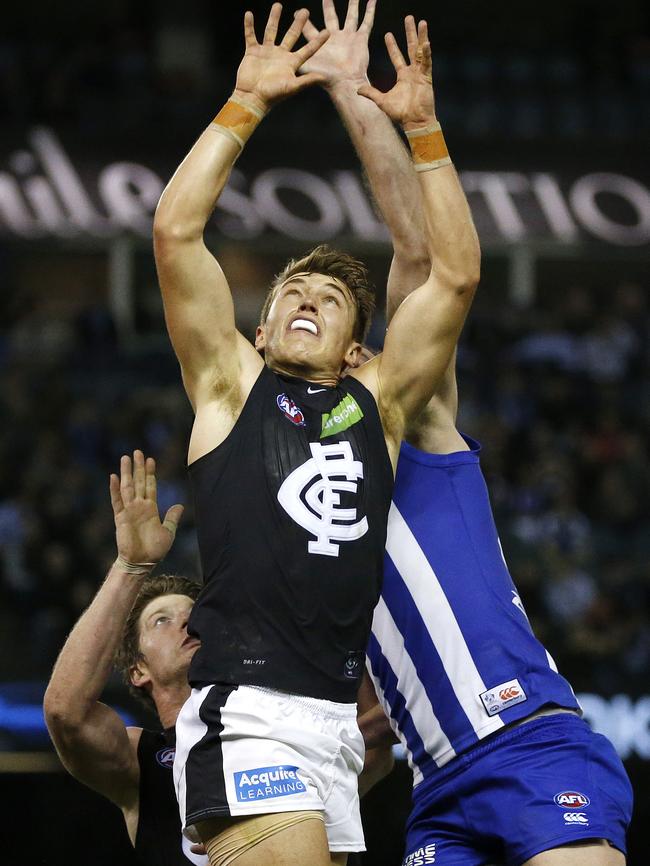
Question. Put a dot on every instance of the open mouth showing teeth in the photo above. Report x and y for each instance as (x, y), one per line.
(304, 325)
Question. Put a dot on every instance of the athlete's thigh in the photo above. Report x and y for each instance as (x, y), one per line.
(281, 839)
(596, 853)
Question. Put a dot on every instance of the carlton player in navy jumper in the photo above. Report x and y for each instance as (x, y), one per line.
(504, 768)
(143, 620)
(291, 471)
(140, 620)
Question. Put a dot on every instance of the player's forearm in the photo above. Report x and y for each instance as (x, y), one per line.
(387, 165)
(451, 236)
(378, 764)
(86, 660)
(193, 192)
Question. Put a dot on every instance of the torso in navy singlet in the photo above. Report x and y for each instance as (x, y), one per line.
(159, 840)
(291, 511)
(452, 653)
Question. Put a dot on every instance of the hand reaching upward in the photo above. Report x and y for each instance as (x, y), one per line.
(410, 101)
(344, 57)
(141, 537)
(267, 73)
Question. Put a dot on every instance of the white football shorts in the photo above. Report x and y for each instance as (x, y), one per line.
(246, 750)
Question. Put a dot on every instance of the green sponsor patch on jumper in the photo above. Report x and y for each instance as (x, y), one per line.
(347, 413)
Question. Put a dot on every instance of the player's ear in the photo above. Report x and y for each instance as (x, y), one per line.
(353, 355)
(260, 338)
(138, 674)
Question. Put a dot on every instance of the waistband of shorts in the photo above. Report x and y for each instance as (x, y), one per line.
(540, 720)
(319, 706)
(535, 726)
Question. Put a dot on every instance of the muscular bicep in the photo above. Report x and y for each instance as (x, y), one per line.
(101, 753)
(199, 310)
(420, 344)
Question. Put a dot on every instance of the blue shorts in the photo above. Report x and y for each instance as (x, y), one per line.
(538, 786)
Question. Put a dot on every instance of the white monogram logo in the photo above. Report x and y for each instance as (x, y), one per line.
(311, 496)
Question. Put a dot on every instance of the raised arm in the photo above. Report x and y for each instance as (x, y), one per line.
(343, 63)
(89, 736)
(423, 333)
(198, 304)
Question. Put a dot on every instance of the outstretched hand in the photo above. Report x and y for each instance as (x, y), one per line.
(141, 536)
(344, 57)
(268, 72)
(410, 102)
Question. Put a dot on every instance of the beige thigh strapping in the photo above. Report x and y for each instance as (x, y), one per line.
(244, 834)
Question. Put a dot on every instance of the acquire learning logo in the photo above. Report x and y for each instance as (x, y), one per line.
(263, 783)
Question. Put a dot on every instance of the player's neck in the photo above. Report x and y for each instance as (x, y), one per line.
(168, 701)
(296, 371)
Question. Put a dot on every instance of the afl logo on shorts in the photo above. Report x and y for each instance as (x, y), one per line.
(290, 410)
(571, 800)
(165, 757)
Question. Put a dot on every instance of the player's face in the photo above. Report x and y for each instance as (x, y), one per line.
(309, 328)
(164, 642)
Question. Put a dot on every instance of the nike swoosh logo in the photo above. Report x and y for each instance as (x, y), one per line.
(311, 390)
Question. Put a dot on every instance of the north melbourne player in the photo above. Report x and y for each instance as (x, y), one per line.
(504, 769)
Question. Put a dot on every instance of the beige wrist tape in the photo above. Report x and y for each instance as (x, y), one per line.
(428, 148)
(135, 567)
(237, 120)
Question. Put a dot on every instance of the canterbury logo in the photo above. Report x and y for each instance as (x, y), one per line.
(506, 694)
(575, 818)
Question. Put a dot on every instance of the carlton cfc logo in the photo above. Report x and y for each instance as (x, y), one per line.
(290, 410)
(571, 800)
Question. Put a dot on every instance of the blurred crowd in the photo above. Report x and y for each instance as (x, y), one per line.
(558, 393)
(565, 69)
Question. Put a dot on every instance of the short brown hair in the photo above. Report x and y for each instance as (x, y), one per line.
(332, 263)
(129, 653)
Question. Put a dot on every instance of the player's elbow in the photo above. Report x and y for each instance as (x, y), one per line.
(472, 273)
(461, 281)
(63, 715)
(411, 256)
(169, 229)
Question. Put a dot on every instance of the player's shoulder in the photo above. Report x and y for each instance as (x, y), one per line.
(134, 734)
